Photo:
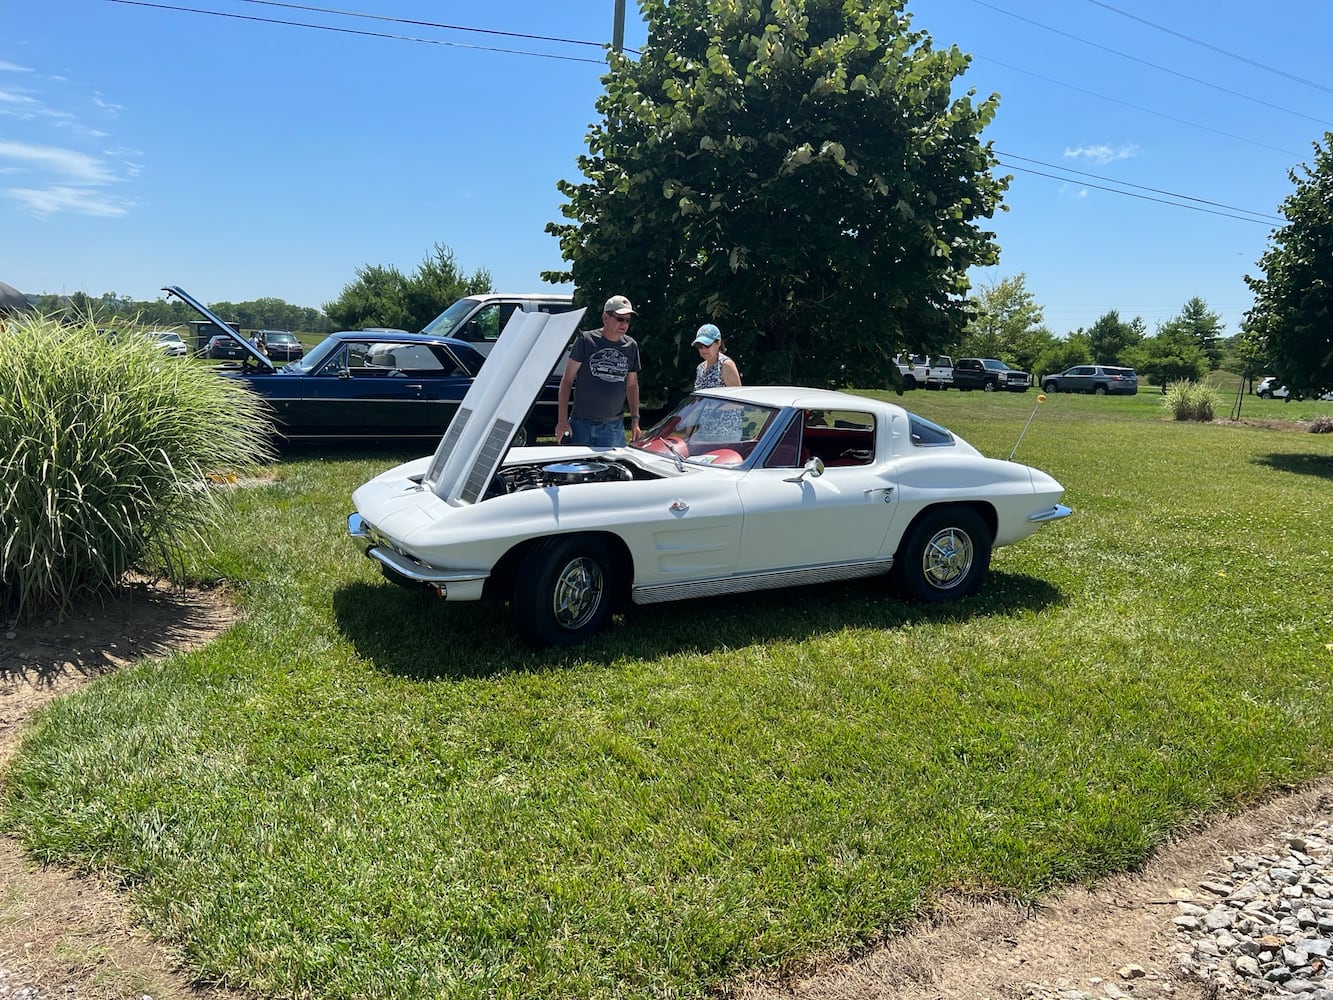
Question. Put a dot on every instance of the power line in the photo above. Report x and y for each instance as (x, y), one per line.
(1145, 62)
(1142, 197)
(354, 31)
(1215, 48)
(1135, 107)
(428, 24)
(1263, 217)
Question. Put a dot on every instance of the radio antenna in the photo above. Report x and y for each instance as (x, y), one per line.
(1041, 398)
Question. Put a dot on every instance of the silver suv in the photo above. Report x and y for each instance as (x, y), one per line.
(1099, 379)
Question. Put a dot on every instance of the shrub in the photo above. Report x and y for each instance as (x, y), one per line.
(1321, 424)
(1190, 401)
(106, 452)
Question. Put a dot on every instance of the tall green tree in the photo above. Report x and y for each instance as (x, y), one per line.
(384, 296)
(1171, 355)
(1006, 321)
(800, 172)
(1205, 327)
(1110, 337)
(1293, 301)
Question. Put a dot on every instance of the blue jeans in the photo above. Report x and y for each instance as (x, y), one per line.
(597, 433)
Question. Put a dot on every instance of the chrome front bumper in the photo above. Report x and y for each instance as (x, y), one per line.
(1056, 512)
(452, 585)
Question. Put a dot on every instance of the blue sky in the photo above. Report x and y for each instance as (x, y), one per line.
(144, 145)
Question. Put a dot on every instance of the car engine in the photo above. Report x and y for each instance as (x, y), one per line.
(517, 478)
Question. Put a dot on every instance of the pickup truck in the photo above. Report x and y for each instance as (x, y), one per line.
(989, 375)
(919, 370)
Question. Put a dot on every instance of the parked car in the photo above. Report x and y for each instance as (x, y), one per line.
(1101, 380)
(281, 345)
(989, 375)
(1268, 388)
(735, 489)
(371, 385)
(224, 347)
(170, 342)
(478, 319)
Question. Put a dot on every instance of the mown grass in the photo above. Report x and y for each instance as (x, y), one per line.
(361, 792)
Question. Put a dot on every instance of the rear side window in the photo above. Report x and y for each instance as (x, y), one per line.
(925, 434)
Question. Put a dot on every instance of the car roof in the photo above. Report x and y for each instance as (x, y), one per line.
(799, 397)
(522, 296)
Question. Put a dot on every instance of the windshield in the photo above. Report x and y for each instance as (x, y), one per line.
(443, 325)
(706, 430)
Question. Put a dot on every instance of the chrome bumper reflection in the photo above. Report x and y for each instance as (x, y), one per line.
(1053, 513)
(460, 585)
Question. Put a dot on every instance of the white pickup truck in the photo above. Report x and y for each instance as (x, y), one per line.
(921, 372)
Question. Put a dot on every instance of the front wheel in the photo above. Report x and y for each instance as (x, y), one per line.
(564, 591)
(989, 387)
(1049, 387)
(945, 557)
(1099, 391)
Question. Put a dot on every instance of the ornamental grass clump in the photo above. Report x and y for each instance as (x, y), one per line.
(1190, 401)
(109, 453)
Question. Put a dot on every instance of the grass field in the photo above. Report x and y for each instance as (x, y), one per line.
(359, 792)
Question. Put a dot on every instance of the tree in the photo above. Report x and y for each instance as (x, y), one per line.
(384, 296)
(1204, 327)
(1110, 336)
(1006, 319)
(1293, 303)
(797, 171)
(1173, 355)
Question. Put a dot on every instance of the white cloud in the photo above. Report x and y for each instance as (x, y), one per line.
(9, 67)
(63, 198)
(69, 163)
(1073, 191)
(1103, 154)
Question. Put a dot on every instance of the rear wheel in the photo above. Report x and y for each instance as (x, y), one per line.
(945, 557)
(564, 591)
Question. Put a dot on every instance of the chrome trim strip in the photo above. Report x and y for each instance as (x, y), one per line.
(413, 570)
(1054, 513)
(773, 580)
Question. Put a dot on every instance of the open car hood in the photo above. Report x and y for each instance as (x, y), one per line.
(259, 358)
(496, 405)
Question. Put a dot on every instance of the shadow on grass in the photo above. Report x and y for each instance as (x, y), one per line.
(1301, 464)
(414, 634)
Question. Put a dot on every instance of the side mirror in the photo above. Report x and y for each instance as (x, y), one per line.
(813, 468)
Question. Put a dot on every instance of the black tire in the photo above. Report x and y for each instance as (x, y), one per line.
(988, 387)
(1099, 391)
(520, 437)
(909, 382)
(944, 557)
(1265, 395)
(1051, 388)
(564, 591)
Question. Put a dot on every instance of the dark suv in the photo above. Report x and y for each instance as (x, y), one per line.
(1099, 379)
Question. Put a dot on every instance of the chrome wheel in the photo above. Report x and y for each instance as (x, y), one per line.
(944, 556)
(947, 558)
(578, 592)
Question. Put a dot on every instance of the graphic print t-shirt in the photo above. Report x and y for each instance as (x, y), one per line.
(599, 387)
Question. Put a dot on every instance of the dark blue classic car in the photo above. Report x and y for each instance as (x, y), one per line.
(371, 385)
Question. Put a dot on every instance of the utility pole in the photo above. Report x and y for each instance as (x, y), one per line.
(618, 29)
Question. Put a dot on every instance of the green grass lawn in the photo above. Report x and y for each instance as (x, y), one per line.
(359, 791)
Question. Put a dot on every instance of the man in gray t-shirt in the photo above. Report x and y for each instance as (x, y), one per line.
(603, 373)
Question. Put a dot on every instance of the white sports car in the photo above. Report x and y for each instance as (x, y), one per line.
(735, 489)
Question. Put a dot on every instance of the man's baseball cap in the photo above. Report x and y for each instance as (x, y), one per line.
(708, 335)
(618, 305)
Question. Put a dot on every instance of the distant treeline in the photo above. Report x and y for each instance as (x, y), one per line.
(111, 309)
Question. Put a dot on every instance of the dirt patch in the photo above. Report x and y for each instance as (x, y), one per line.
(62, 935)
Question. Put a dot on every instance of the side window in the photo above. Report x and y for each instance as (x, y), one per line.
(839, 437)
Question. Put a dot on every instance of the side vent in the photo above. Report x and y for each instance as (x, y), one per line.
(492, 451)
(456, 428)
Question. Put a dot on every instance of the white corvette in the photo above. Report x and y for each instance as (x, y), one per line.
(736, 489)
